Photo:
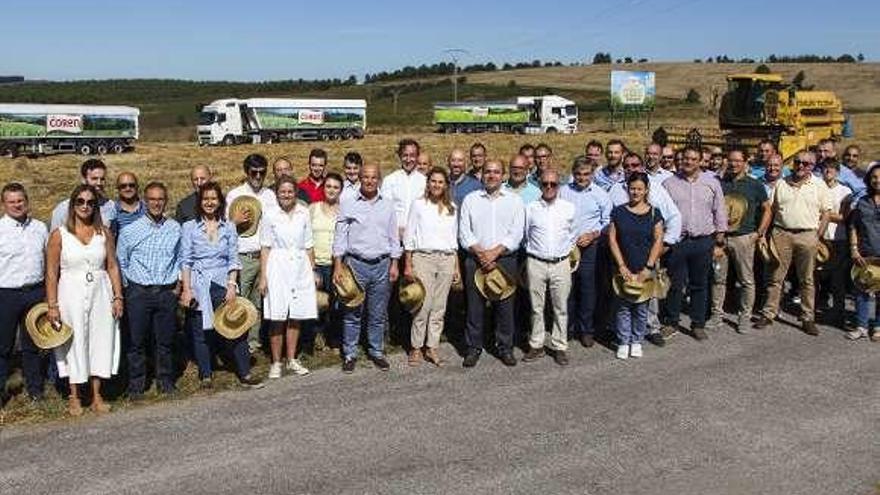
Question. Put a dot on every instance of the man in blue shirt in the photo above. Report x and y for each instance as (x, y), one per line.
(517, 181)
(462, 183)
(826, 153)
(149, 259)
(612, 173)
(367, 239)
(129, 206)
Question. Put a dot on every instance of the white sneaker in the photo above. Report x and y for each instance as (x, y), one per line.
(622, 351)
(297, 368)
(274, 371)
(858, 333)
(635, 350)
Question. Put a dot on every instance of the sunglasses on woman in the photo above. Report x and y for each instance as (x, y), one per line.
(91, 203)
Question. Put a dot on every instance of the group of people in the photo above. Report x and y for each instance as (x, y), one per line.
(527, 240)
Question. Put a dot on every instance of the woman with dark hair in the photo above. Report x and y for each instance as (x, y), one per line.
(641, 226)
(864, 241)
(287, 280)
(209, 270)
(430, 243)
(323, 219)
(84, 291)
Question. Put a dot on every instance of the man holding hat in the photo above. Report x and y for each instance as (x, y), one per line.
(247, 223)
(747, 202)
(367, 244)
(22, 254)
(550, 236)
(834, 266)
(490, 229)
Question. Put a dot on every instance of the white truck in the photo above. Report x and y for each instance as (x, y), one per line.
(268, 120)
(37, 129)
(523, 115)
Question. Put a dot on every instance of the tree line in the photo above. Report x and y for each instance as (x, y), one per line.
(448, 68)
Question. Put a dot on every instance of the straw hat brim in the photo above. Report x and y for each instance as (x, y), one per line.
(574, 258)
(323, 300)
(823, 252)
(409, 303)
(247, 203)
(480, 283)
(41, 331)
(226, 328)
(737, 206)
(633, 291)
(873, 283)
(359, 296)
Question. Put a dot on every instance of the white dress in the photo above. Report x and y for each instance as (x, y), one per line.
(85, 299)
(289, 275)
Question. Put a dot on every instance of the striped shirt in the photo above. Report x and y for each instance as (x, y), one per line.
(149, 251)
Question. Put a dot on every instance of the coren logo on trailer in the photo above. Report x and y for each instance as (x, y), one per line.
(64, 123)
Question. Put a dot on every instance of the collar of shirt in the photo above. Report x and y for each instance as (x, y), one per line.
(361, 197)
(498, 193)
(22, 224)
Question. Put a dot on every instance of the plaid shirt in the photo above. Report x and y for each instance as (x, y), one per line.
(149, 252)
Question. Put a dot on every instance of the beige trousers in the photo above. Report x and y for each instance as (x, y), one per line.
(555, 277)
(740, 251)
(799, 248)
(435, 271)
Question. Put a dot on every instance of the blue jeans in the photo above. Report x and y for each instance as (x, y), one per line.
(206, 343)
(151, 312)
(582, 301)
(689, 263)
(373, 279)
(15, 305)
(866, 310)
(631, 324)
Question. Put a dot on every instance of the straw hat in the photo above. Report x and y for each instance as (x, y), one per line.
(246, 203)
(633, 290)
(867, 278)
(574, 258)
(496, 285)
(737, 206)
(323, 299)
(823, 252)
(412, 295)
(349, 291)
(232, 320)
(768, 251)
(44, 335)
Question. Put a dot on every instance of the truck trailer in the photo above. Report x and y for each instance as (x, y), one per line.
(268, 120)
(523, 115)
(37, 129)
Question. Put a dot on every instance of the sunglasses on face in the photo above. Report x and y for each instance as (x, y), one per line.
(256, 172)
(549, 184)
(126, 185)
(803, 162)
(86, 202)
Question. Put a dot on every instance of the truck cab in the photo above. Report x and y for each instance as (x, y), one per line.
(551, 114)
(223, 122)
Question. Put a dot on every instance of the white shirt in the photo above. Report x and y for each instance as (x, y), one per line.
(840, 194)
(550, 231)
(402, 189)
(486, 221)
(349, 189)
(268, 204)
(428, 230)
(59, 214)
(22, 252)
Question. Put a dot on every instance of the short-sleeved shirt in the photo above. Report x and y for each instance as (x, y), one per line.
(841, 196)
(799, 207)
(865, 218)
(755, 194)
(635, 235)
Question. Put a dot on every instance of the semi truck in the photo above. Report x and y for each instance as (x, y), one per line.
(522, 115)
(268, 120)
(38, 129)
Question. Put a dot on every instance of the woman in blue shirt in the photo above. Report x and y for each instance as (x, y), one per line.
(641, 225)
(864, 239)
(210, 266)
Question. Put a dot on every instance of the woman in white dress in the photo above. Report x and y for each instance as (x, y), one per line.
(287, 281)
(84, 291)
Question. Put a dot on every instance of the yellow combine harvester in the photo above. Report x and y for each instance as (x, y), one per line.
(763, 106)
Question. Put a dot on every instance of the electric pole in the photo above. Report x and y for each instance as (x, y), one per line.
(454, 54)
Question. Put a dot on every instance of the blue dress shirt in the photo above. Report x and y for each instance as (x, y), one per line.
(208, 261)
(367, 228)
(592, 207)
(466, 184)
(149, 252)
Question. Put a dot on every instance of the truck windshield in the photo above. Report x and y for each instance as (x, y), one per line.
(207, 118)
(571, 110)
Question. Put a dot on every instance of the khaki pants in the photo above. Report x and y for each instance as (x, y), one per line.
(435, 271)
(557, 278)
(248, 279)
(740, 251)
(799, 248)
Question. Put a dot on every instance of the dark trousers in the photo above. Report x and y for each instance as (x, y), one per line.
(328, 323)
(151, 315)
(831, 280)
(502, 310)
(14, 305)
(689, 262)
(207, 343)
(582, 301)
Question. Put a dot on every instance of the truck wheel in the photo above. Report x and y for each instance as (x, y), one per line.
(228, 140)
(116, 147)
(551, 130)
(102, 148)
(325, 136)
(346, 135)
(459, 129)
(84, 149)
(335, 136)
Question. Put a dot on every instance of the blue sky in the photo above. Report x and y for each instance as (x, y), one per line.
(271, 39)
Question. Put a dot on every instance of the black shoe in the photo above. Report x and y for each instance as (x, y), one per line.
(471, 359)
(587, 340)
(533, 355)
(206, 383)
(699, 333)
(381, 363)
(561, 358)
(251, 382)
(656, 339)
(508, 359)
(135, 396)
(810, 328)
(348, 366)
(762, 323)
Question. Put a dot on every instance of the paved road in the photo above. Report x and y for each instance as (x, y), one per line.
(776, 413)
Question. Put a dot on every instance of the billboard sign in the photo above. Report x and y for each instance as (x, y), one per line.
(71, 124)
(634, 90)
